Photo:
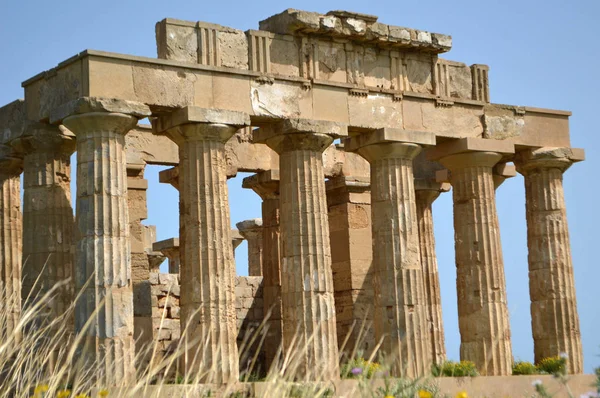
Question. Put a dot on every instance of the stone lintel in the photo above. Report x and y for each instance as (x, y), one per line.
(170, 176)
(426, 184)
(464, 145)
(194, 114)
(97, 104)
(167, 244)
(379, 136)
(294, 126)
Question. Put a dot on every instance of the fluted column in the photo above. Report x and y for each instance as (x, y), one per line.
(48, 221)
(425, 195)
(400, 320)
(554, 318)
(251, 230)
(10, 237)
(104, 313)
(266, 185)
(482, 305)
(208, 270)
(307, 294)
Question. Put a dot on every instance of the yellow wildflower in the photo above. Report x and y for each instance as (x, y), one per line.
(462, 394)
(425, 394)
(63, 394)
(389, 396)
(103, 393)
(40, 389)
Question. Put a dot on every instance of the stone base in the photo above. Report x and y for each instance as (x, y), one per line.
(483, 386)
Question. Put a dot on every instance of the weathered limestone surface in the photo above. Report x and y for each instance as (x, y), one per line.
(425, 195)
(140, 261)
(266, 185)
(208, 270)
(102, 253)
(48, 221)
(11, 229)
(251, 230)
(480, 283)
(349, 206)
(307, 294)
(302, 79)
(400, 319)
(554, 317)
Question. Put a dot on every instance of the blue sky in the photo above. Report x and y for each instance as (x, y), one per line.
(540, 53)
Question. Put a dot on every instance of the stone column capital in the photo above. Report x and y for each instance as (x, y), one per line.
(192, 123)
(10, 163)
(390, 150)
(201, 132)
(547, 158)
(299, 134)
(250, 229)
(428, 190)
(93, 105)
(265, 184)
(470, 159)
(41, 137)
(98, 122)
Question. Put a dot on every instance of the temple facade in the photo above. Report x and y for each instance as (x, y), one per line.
(353, 128)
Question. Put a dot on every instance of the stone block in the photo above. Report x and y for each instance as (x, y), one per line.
(95, 104)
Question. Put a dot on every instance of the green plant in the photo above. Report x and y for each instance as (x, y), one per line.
(404, 388)
(524, 368)
(359, 368)
(553, 365)
(455, 369)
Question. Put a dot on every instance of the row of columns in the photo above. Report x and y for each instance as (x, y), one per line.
(297, 266)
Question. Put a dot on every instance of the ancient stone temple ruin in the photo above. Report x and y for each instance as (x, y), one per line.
(352, 128)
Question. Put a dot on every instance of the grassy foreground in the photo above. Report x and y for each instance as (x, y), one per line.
(39, 357)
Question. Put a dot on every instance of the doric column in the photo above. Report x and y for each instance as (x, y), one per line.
(266, 185)
(554, 318)
(208, 270)
(251, 230)
(482, 305)
(102, 253)
(308, 306)
(170, 249)
(10, 236)
(349, 207)
(47, 219)
(400, 318)
(426, 192)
